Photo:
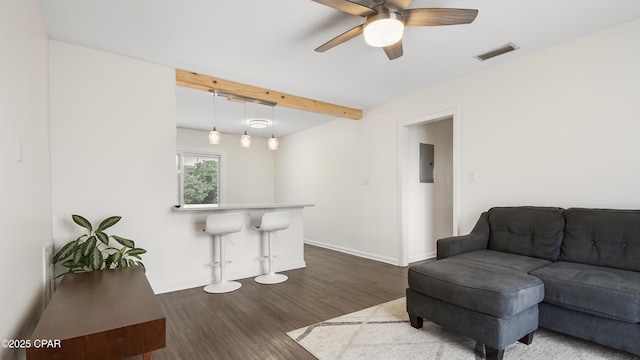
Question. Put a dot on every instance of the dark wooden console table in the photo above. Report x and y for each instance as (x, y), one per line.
(100, 315)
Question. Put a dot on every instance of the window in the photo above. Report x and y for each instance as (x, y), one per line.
(198, 179)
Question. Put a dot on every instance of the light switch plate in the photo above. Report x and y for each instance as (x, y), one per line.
(19, 149)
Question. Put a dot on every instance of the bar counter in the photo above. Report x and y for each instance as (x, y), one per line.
(187, 208)
(247, 246)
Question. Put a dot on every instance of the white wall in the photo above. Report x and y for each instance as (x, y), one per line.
(247, 172)
(346, 168)
(113, 148)
(113, 153)
(26, 189)
(556, 128)
(430, 206)
(25, 186)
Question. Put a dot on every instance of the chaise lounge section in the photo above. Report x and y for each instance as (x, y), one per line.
(575, 271)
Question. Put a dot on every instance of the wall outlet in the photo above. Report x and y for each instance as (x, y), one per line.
(471, 176)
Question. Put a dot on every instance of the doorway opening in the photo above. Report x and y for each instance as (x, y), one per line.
(427, 211)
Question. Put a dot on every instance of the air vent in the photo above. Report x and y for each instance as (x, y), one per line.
(496, 52)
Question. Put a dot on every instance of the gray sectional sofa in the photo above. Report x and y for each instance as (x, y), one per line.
(575, 271)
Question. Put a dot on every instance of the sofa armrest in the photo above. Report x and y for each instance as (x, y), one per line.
(477, 239)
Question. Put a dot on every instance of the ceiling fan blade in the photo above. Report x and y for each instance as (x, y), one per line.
(347, 6)
(394, 51)
(345, 36)
(398, 4)
(436, 17)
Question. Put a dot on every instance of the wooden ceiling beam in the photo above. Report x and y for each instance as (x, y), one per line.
(206, 83)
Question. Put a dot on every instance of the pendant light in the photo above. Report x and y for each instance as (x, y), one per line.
(272, 143)
(214, 135)
(245, 140)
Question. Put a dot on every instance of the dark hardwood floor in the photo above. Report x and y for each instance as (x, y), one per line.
(252, 322)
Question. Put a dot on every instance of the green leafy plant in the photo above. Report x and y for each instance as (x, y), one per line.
(91, 251)
(200, 183)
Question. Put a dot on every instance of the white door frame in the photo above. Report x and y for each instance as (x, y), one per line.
(403, 153)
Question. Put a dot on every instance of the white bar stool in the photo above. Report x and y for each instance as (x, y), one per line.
(221, 225)
(270, 223)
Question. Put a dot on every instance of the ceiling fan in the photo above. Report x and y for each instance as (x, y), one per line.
(385, 22)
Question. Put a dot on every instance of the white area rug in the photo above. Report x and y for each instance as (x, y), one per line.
(383, 332)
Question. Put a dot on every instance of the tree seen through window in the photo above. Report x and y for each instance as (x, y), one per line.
(200, 179)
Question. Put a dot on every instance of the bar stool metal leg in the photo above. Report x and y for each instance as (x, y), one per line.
(222, 285)
(271, 277)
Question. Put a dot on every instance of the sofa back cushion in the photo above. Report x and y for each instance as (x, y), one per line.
(602, 237)
(527, 230)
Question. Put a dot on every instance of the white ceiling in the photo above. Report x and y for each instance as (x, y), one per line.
(271, 44)
(195, 110)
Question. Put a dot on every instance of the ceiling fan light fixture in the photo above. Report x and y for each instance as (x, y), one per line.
(383, 29)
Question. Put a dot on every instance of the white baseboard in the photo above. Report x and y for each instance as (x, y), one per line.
(429, 255)
(362, 254)
(184, 284)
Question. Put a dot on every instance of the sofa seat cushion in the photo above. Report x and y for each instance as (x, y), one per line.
(505, 260)
(482, 287)
(602, 291)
